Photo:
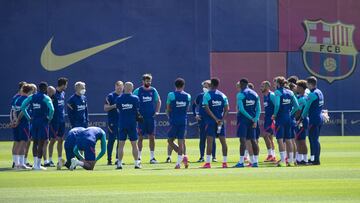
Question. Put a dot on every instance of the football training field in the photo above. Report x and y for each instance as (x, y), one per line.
(336, 180)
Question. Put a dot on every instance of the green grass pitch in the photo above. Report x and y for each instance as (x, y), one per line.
(336, 180)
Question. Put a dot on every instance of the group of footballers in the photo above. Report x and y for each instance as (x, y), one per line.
(293, 111)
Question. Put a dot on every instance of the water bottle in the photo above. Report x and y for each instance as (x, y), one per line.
(219, 127)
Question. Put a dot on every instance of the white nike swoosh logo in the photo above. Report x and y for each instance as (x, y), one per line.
(191, 124)
(355, 122)
(53, 62)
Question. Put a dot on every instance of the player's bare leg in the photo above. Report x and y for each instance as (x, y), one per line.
(209, 145)
(140, 145)
(60, 142)
(135, 151)
(282, 151)
(249, 148)
(224, 150)
(169, 152)
(44, 151)
(290, 150)
(27, 148)
(255, 149)
(152, 149)
(120, 152)
(180, 152)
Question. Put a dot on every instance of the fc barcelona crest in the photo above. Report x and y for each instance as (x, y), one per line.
(329, 52)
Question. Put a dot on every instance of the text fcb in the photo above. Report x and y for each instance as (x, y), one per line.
(329, 52)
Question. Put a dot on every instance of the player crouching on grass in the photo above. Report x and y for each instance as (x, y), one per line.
(86, 141)
(177, 104)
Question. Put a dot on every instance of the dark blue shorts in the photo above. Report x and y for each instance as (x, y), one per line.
(57, 130)
(126, 132)
(147, 127)
(177, 131)
(22, 133)
(283, 131)
(211, 130)
(268, 126)
(246, 130)
(89, 149)
(40, 131)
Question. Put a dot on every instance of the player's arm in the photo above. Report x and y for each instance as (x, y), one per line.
(226, 107)
(240, 98)
(77, 153)
(103, 146)
(50, 106)
(206, 100)
(258, 110)
(189, 99)
(277, 96)
(158, 101)
(107, 106)
(295, 108)
(169, 99)
(311, 97)
(24, 107)
(70, 111)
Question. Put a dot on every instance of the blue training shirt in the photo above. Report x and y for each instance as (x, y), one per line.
(148, 98)
(78, 113)
(179, 102)
(248, 105)
(128, 107)
(314, 106)
(41, 106)
(285, 101)
(216, 101)
(113, 115)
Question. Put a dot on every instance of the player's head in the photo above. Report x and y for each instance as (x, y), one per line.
(62, 83)
(206, 85)
(293, 79)
(43, 87)
(265, 86)
(292, 86)
(251, 86)
(128, 87)
(20, 85)
(26, 89)
(214, 83)
(179, 83)
(244, 82)
(33, 88)
(80, 88)
(312, 82)
(280, 81)
(51, 91)
(301, 86)
(147, 79)
(238, 88)
(119, 86)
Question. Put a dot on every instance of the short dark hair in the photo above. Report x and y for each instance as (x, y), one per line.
(26, 88)
(311, 80)
(302, 84)
(179, 83)
(215, 82)
(293, 79)
(62, 81)
(43, 87)
(146, 76)
(21, 84)
(244, 83)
